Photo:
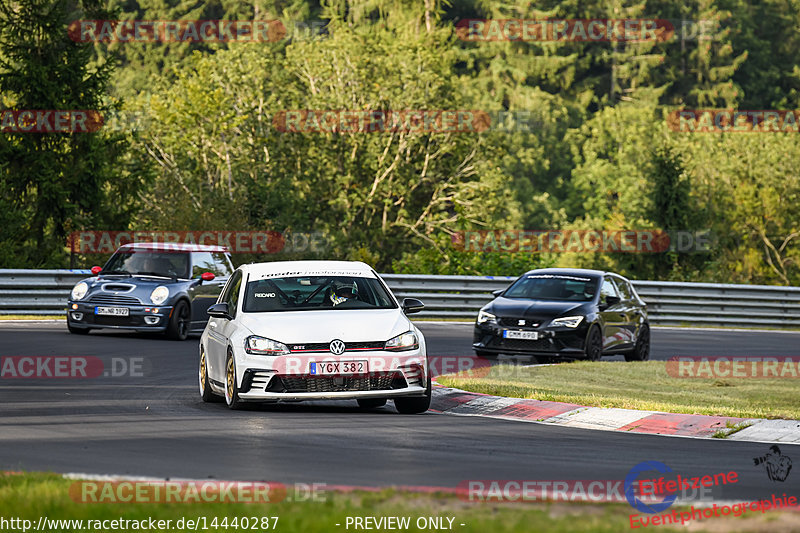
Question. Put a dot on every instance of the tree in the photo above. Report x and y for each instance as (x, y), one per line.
(55, 182)
(215, 143)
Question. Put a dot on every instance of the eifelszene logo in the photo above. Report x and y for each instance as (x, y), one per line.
(631, 481)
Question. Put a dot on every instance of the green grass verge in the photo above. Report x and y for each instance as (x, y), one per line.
(645, 386)
(33, 495)
(30, 496)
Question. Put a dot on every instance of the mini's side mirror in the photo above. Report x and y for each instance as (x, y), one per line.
(498, 292)
(207, 276)
(220, 311)
(96, 269)
(412, 305)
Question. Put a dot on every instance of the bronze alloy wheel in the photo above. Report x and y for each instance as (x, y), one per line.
(231, 394)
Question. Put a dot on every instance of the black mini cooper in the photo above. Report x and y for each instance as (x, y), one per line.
(151, 287)
(565, 314)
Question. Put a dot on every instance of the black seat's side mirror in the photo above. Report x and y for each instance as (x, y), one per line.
(412, 305)
(609, 301)
(220, 310)
(498, 292)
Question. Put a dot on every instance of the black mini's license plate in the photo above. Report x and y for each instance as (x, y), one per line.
(112, 311)
(337, 368)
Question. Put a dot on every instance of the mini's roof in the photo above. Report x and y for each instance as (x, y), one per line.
(280, 269)
(172, 247)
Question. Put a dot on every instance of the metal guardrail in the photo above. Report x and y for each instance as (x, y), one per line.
(45, 292)
(669, 303)
(37, 292)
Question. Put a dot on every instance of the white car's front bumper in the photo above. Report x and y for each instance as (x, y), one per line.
(261, 395)
(288, 377)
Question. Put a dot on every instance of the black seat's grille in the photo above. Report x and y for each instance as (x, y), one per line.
(325, 346)
(333, 384)
(514, 323)
(113, 299)
(519, 344)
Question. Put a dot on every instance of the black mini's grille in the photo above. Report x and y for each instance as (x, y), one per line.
(112, 299)
(118, 320)
(332, 384)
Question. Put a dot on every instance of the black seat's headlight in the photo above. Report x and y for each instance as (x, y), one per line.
(484, 317)
(567, 321)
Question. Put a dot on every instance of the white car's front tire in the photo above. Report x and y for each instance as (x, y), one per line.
(371, 403)
(414, 404)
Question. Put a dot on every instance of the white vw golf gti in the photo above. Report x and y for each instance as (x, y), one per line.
(313, 330)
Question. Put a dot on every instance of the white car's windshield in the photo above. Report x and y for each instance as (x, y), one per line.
(306, 293)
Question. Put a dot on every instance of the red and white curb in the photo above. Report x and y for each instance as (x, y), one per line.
(458, 402)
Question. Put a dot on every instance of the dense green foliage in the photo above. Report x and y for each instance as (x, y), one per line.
(53, 183)
(597, 152)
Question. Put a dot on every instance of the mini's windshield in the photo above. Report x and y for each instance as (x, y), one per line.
(553, 287)
(308, 293)
(149, 262)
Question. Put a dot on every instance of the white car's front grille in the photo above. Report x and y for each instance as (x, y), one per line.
(299, 384)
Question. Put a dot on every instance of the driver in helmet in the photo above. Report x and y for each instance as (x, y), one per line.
(343, 292)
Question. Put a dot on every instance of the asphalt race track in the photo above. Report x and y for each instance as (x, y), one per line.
(154, 424)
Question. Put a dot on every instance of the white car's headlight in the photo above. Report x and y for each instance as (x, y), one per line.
(79, 291)
(261, 346)
(567, 321)
(404, 341)
(159, 295)
(483, 317)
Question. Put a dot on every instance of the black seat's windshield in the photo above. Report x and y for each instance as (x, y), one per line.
(553, 287)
